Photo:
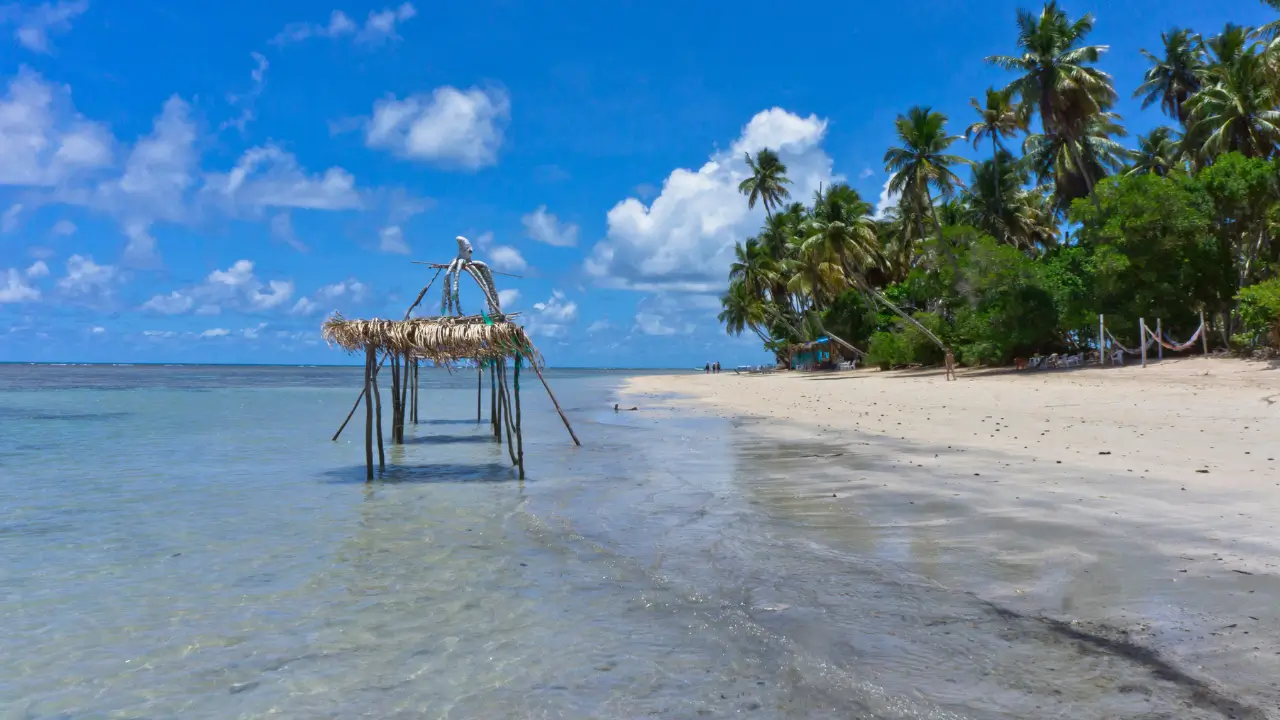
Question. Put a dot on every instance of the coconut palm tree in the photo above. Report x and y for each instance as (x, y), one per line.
(1000, 118)
(1158, 152)
(1236, 110)
(768, 182)
(1057, 78)
(753, 267)
(999, 206)
(741, 310)
(921, 164)
(1174, 78)
(1053, 158)
(841, 223)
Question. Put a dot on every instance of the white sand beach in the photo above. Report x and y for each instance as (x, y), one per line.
(1139, 505)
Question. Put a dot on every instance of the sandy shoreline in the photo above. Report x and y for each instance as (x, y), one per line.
(1139, 505)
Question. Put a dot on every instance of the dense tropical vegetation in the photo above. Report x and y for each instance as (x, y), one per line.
(1018, 254)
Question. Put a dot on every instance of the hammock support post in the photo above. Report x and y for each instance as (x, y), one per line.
(1142, 337)
(1159, 341)
(1102, 341)
(1204, 335)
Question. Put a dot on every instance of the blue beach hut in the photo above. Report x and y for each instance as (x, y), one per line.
(811, 355)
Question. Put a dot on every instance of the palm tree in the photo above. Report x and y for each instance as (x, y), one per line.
(1000, 118)
(841, 224)
(922, 162)
(1174, 78)
(740, 310)
(753, 267)
(999, 206)
(1236, 110)
(1158, 152)
(1053, 158)
(1057, 78)
(768, 182)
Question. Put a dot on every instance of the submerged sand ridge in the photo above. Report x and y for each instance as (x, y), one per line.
(1127, 511)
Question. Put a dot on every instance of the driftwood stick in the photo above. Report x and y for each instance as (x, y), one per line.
(357, 402)
(369, 354)
(377, 420)
(519, 435)
(424, 292)
(557, 404)
(444, 266)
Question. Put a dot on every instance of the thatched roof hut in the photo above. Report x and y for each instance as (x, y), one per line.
(442, 340)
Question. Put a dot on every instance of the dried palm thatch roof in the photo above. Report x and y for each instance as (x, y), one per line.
(443, 340)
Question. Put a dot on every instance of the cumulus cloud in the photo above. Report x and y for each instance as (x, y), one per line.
(350, 290)
(504, 258)
(97, 330)
(85, 278)
(683, 239)
(887, 200)
(553, 317)
(43, 141)
(546, 228)
(238, 287)
(508, 298)
(9, 221)
(215, 333)
(38, 270)
(63, 228)
(15, 289)
(598, 326)
(379, 27)
(268, 177)
(450, 127)
(391, 240)
(34, 25)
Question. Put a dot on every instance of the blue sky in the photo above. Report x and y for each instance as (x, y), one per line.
(205, 182)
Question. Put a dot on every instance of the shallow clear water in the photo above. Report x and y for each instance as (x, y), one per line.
(180, 541)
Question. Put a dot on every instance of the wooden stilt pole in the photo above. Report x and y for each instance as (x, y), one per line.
(377, 420)
(357, 403)
(504, 401)
(519, 435)
(1204, 335)
(404, 397)
(416, 365)
(1159, 338)
(494, 415)
(395, 395)
(557, 404)
(479, 388)
(1102, 341)
(369, 369)
(1142, 339)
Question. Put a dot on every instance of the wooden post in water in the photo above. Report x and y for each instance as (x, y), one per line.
(1204, 334)
(1142, 339)
(1159, 340)
(396, 410)
(494, 416)
(553, 402)
(519, 436)
(479, 387)
(377, 419)
(404, 396)
(356, 405)
(369, 354)
(416, 364)
(504, 403)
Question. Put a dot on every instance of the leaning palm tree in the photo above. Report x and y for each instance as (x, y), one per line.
(999, 118)
(768, 182)
(1174, 78)
(1057, 78)
(1237, 111)
(741, 309)
(1158, 152)
(841, 225)
(922, 163)
(1055, 159)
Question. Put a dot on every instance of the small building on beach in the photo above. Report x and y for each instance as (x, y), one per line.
(813, 355)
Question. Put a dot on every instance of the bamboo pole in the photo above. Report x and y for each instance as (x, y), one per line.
(494, 414)
(369, 354)
(404, 397)
(479, 388)
(1142, 339)
(377, 418)
(1204, 335)
(1159, 338)
(519, 434)
(557, 404)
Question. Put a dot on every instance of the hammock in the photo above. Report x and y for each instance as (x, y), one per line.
(1179, 347)
(1117, 343)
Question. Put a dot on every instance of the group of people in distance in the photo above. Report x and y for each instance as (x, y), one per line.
(711, 368)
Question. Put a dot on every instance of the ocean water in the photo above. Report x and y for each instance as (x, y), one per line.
(188, 542)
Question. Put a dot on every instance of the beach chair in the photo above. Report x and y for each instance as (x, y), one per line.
(1117, 357)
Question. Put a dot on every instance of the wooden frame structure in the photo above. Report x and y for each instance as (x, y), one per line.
(491, 340)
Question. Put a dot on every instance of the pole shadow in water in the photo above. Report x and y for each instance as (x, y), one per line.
(450, 440)
(426, 474)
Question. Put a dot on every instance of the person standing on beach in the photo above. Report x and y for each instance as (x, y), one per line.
(707, 368)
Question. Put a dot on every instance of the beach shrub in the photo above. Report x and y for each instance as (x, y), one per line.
(1260, 314)
(906, 345)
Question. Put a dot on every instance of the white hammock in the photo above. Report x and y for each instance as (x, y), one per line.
(1117, 343)
(1178, 347)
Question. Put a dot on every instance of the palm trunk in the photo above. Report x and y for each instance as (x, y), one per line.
(902, 314)
(1084, 172)
(995, 160)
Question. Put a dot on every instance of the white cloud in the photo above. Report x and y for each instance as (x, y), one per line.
(245, 102)
(866, 173)
(239, 274)
(484, 241)
(86, 278)
(552, 318)
(175, 303)
(36, 24)
(38, 270)
(209, 309)
(651, 324)
(276, 294)
(63, 228)
(270, 177)
(504, 258)
(391, 240)
(43, 141)
(673, 314)
(451, 127)
(282, 229)
(886, 201)
(351, 290)
(159, 333)
(253, 332)
(15, 288)
(215, 333)
(547, 228)
(508, 298)
(97, 330)
(304, 306)
(159, 169)
(379, 27)
(9, 221)
(140, 251)
(684, 239)
(599, 326)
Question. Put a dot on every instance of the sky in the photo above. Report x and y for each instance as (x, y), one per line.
(206, 182)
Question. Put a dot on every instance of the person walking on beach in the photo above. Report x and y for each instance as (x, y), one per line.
(707, 368)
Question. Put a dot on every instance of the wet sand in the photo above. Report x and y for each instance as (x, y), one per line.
(1118, 513)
